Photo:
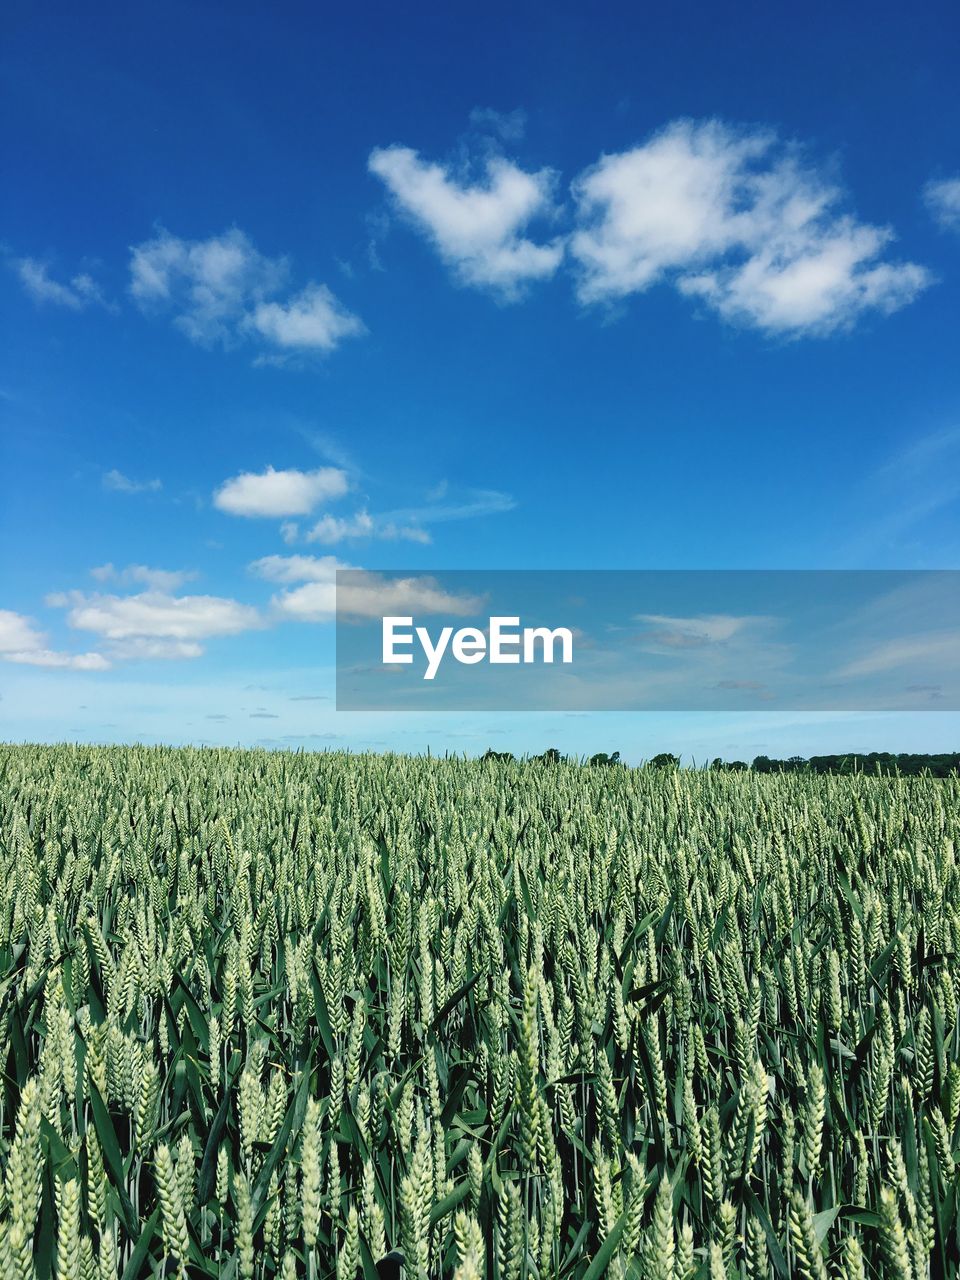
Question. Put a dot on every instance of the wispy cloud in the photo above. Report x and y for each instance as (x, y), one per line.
(117, 482)
(331, 530)
(942, 198)
(737, 220)
(914, 485)
(330, 449)
(21, 642)
(77, 293)
(222, 290)
(467, 506)
(280, 493)
(939, 647)
(690, 633)
(478, 228)
(404, 524)
(143, 575)
(508, 125)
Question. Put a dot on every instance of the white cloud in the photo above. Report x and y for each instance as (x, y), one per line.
(280, 493)
(54, 658)
(79, 292)
(733, 218)
(21, 642)
(141, 574)
(823, 284)
(17, 632)
(662, 205)
(316, 599)
(117, 482)
(312, 320)
(313, 602)
(155, 623)
(223, 290)
(942, 198)
(477, 229)
(333, 529)
(209, 283)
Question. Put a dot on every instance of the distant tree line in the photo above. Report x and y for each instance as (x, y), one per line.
(553, 756)
(904, 764)
(888, 763)
(602, 759)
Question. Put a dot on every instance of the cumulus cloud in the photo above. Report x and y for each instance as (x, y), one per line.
(143, 575)
(287, 569)
(735, 219)
(477, 228)
(117, 482)
(313, 601)
(280, 493)
(312, 320)
(17, 632)
(942, 198)
(363, 595)
(155, 624)
(55, 658)
(77, 293)
(21, 642)
(370, 595)
(222, 290)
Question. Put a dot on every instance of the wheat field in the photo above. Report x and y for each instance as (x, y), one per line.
(268, 1014)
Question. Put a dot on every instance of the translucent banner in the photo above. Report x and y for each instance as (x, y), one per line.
(648, 640)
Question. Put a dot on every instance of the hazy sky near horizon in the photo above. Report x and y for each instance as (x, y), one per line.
(542, 287)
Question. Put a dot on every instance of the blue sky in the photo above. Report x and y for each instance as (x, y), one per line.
(538, 288)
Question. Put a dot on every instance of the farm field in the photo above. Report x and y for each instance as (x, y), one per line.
(268, 1014)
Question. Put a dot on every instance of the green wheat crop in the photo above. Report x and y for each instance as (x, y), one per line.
(286, 1015)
